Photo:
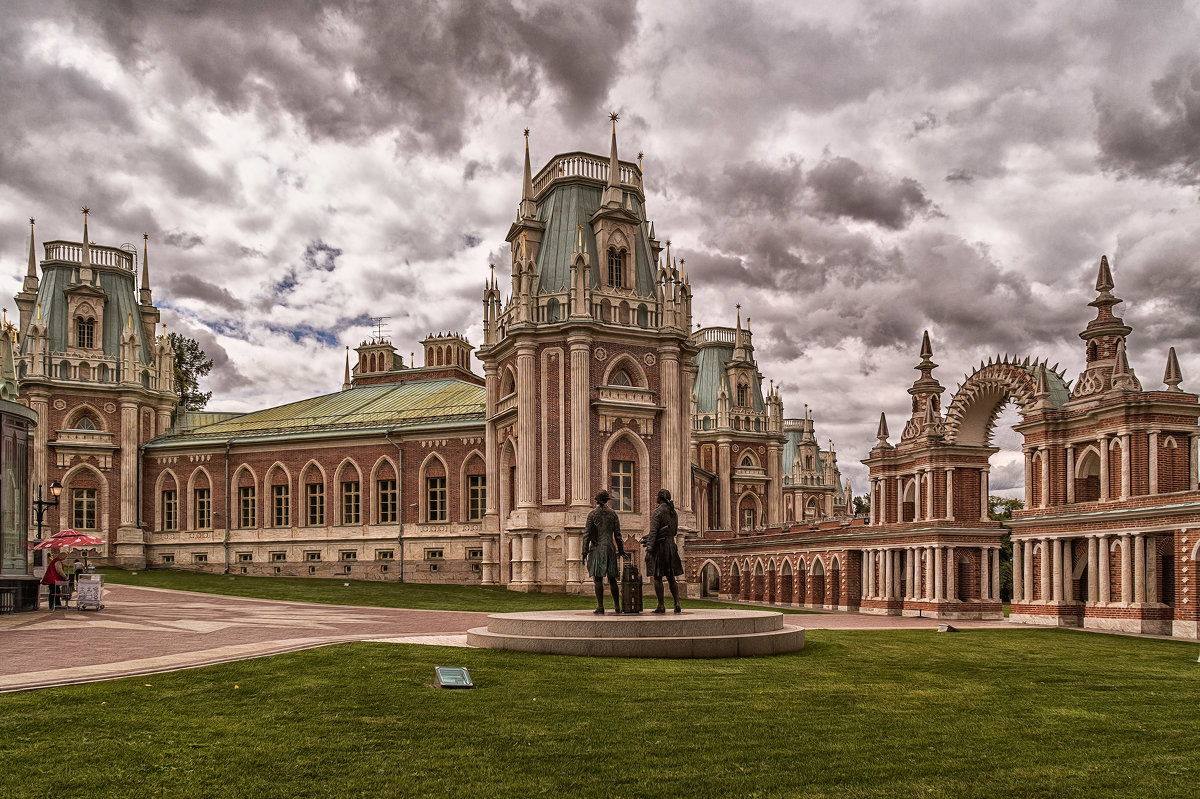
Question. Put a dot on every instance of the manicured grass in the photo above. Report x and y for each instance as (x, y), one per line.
(370, 593)
(873, 714)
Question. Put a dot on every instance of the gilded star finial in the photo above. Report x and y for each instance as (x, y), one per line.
(527, 133)
(31, 220)
(85, 210)
(145, 237)
(614, 116)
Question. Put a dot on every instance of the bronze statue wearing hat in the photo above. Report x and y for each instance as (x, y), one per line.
(662, 554)
(601, 548)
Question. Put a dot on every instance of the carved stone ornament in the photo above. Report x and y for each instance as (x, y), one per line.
(110, 407)
(650, 359)
(601, 354)
(762, 450)
(60, 405)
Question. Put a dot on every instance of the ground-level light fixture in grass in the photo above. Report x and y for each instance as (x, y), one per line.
(452, 677)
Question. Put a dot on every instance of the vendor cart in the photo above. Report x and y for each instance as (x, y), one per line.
(89, 590)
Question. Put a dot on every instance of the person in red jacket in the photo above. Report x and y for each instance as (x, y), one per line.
(55, 576)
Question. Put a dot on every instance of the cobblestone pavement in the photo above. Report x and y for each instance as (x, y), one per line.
(148, 630)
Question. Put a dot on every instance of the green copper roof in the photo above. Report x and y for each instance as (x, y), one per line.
(387, 405)
(563, 211)
(121, 301)
(711, 361)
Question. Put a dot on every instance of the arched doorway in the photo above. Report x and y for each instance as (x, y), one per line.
(801, 584)
(710, 581)
(785, 584)
(818, 582)
(835, 584)
(759, 582)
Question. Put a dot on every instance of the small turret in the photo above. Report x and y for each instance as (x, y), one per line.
(1172, 377)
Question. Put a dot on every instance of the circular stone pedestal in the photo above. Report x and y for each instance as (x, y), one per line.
(691, 634)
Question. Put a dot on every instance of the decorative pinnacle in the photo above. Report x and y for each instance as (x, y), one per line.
(614, 116)
(527, 135)
(1172, 378)
(31, 220)
(145, 236)
(85, 210)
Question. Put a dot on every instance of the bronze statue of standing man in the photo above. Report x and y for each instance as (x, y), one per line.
(662, 554)
(601, 549)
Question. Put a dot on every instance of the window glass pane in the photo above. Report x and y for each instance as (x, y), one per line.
(386, 492)
(351, 502)
(622, 485)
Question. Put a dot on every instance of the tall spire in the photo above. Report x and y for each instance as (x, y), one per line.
(145, 293)
(1172, 377)
(346, 378)
(86, 258)
(614, 165)
(32, 271)
(881, 432)
(528, 209)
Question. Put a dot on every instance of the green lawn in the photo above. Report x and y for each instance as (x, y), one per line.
(874, 714)
(372, 593)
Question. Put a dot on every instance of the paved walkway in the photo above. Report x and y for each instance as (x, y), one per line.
(149, 630)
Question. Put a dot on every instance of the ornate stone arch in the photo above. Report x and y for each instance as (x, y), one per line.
(749, 453)
(972, 412)
(624, 361)
(786, 569)
(423, 498)
(244, 476)
(102, 499)
(508, 381)
(268, 499)
(382, 469)
(187, 507)
(643, 466)
(88, 410)
(348, 467)
(160, 485)
(755, 500)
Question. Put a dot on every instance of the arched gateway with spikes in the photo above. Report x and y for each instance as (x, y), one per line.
(1111, 498)
(1112, 512)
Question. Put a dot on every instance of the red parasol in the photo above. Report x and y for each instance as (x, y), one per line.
(65, 539)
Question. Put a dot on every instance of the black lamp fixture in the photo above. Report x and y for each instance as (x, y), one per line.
(40, 505)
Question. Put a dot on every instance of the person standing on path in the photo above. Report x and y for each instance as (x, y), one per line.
(601, 548)
(55, 576)
(662, 554)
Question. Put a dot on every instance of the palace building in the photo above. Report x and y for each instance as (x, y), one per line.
(592, 378)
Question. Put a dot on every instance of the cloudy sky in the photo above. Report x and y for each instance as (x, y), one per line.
(851, 174)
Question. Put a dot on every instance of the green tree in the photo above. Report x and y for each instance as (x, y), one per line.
(862, 505)
(191, 364)
(1000, 509)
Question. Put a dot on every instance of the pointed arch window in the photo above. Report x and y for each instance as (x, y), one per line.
(85, 423)
(743, 395)
(747, 461)
(85, 332)
(621, 378)
(616, 267)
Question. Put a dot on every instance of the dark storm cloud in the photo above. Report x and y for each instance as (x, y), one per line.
(1158, 137)
(842, 187)
(352, 70)
(190, 286)
(182, 239)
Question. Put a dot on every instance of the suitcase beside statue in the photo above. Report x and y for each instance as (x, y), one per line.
(631, 587)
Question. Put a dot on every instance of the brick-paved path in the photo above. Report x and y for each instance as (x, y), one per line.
(145, 630)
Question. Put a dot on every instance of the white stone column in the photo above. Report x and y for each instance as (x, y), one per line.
(1126, 571)
(985, 582)
(930, 574)
(674, 433)
(1045, 477)
(1093, 583)
(1029, 478)
(1070, 473)
(1068, 567)
(950, 494)
(1152, 445)
(914, 571)
(983, 493)
(1104, 596)
(899, 499)
(951, 574)
(1126, 468)
(725, 517)
(874, 516)
(1151, 570)
(1139, 569)
(1193, 454)
(1056, 586)
(1102, 443)
(888, 575)
(1046, 570)
(1018, 572)
(929, 492)
(996, 573)
(527, 405)
(939, 573)
(581, 482)
(1027, 568)
(917, 478)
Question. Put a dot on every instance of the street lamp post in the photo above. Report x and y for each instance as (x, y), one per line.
(40, 505)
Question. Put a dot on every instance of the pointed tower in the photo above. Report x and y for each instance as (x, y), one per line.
(346, 383)
(881, 433)
(613, 195)
(145, 291)
(27, 297)
(926, 393)
(1172, 377)
(1102, 337)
